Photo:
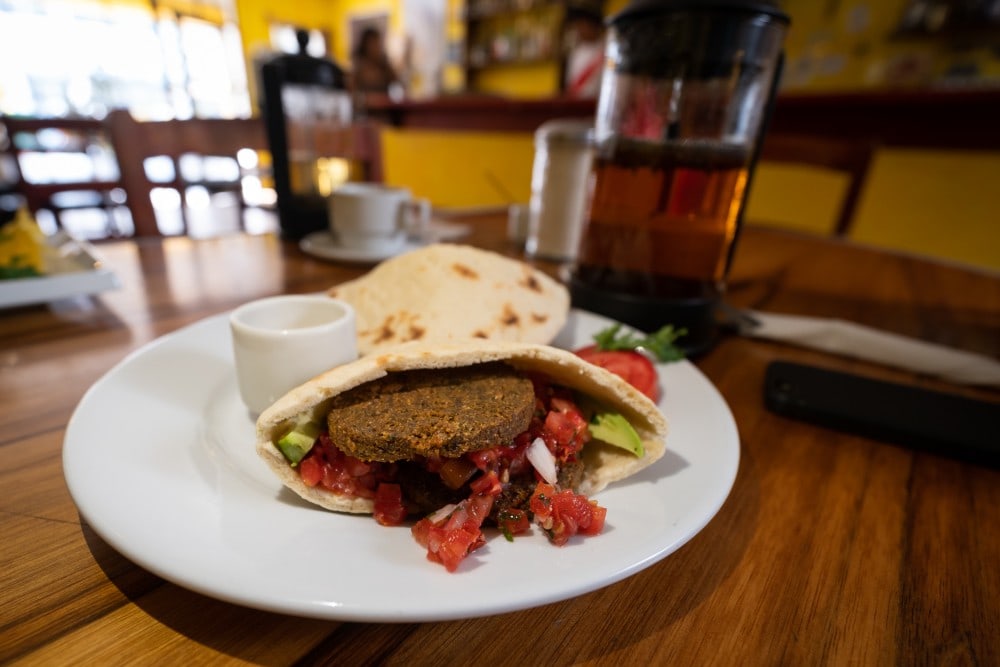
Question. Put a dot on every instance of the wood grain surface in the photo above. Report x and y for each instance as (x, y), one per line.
(831, 548)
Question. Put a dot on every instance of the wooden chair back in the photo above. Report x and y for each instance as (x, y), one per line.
(851, 157)
(22, 137)
(135, 142)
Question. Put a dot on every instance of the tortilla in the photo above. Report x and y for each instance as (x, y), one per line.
(604, 463)
(446, 291)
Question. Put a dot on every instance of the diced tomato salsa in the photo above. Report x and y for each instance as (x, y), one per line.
(513, 522)
(451, 538)
(558, 422)
(331, 468)
(563, 514)
(452, 533)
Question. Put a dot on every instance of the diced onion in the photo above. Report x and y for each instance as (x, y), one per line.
(542, 459)
(442, 513)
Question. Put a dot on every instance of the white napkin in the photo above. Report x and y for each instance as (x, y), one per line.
(861, 342)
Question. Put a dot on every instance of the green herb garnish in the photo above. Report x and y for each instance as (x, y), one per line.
(660, 344)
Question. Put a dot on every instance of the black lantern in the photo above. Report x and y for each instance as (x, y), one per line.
(302, 94)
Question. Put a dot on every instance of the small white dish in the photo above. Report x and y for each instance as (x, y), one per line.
(325, 245)
(282, 341)
(442, 230)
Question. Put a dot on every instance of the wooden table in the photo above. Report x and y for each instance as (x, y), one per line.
(830, 549)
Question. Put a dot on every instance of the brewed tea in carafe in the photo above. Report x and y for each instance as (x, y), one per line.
(679, 119)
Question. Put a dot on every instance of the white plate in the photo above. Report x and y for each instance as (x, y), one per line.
(324, 244)
(159, 458)
(75, 271)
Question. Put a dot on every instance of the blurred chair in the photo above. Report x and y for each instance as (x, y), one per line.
(136, 142)
(852, 158)
(63, 164)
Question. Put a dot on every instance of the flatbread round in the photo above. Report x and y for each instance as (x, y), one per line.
(603, 463)
(446, 291)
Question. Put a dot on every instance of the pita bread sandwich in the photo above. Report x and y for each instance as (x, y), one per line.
(445, 291)
(465, 434)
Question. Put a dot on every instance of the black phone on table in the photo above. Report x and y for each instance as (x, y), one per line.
(933, 421)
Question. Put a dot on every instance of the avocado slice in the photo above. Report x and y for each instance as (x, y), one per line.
(296, 443)
(612, 428)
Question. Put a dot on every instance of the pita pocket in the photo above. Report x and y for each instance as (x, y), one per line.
(446, 291)
(603, 464)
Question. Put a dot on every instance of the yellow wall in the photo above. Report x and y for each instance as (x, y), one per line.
(852, 46)
(532, 81)
(205, 12)
(256, 16)
(332, 18)
(800, 198)
(458, 169)
(942, 203)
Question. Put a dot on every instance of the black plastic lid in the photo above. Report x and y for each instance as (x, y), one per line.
(641, 8)
(305, 69)
(697, 315)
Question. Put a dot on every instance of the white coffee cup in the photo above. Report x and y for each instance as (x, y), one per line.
(282, 341)
(369, 216)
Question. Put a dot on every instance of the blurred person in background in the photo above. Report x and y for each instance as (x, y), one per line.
(372, 72)
(585, 61)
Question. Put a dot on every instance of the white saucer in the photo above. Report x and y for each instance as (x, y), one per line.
(442, 230)
(325, 245)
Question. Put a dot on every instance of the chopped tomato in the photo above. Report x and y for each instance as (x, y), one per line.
(333, 469)
(502, 457)
(448, 542)
(513, 522)
(558, 422)
(634, 367)
(389, 509)
(456, 545)
(568, 428)
(488, 484)
(484, 459)
(311, 470)
(563, 514)
(451, 538)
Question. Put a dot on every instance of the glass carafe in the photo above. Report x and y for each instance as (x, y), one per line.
(682, 107)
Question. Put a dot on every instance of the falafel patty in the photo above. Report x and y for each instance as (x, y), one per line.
(436, 412)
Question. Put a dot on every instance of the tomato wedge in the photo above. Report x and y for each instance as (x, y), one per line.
(634, 367)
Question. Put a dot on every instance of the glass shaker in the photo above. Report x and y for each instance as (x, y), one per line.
(558, 188)
(679, 120)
